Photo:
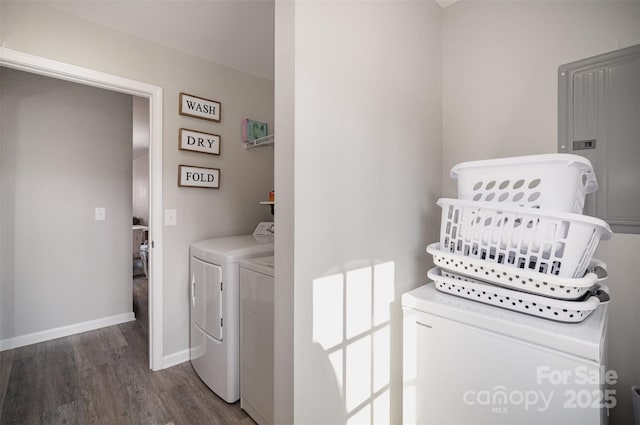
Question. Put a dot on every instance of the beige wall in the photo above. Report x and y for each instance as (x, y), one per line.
(66, 149)
(362, 96)
(500, 61)
(284, 289)
(246, 176)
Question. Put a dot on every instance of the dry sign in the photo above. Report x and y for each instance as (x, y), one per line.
(189, 176)
(199, 107)
(191, 140)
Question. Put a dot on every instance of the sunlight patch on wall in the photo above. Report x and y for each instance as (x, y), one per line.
(351, 321)
(382, 359)
(327, 311)
(358, 372)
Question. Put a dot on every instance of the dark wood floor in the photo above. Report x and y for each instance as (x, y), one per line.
(103, 377)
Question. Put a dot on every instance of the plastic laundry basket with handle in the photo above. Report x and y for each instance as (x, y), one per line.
(560, 244)
(556, 182)
(565, 288)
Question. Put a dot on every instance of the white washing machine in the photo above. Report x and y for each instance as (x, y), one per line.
(466, 362)
(256, 339)
(215, 320)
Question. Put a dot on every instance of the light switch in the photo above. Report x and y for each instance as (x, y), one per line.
(101, 214)
(170, 217)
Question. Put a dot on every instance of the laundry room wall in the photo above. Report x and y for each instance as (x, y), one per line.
(500, 97)
(66, 149)
(246, 176)
(361, 111)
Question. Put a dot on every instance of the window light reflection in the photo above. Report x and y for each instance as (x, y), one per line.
(351, 322)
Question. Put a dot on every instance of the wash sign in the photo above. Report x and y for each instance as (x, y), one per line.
(199, 107)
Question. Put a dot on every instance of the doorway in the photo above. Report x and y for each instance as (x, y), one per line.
(38, 65)
(140, 212)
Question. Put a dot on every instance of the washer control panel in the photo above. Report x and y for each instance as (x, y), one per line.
(265, 229)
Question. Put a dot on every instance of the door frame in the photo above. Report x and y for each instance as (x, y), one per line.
(38, 65)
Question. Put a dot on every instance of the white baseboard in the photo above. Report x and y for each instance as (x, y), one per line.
(34, 338)
(175, 358)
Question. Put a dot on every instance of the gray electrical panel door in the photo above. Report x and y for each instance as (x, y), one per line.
(599, 118)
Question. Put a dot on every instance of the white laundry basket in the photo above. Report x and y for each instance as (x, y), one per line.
(553, 181)
(565, 288)
(535, 305)
(560, 244)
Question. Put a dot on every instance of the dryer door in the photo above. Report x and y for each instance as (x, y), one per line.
(206, 297)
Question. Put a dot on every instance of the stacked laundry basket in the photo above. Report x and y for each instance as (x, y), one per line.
(516, 237)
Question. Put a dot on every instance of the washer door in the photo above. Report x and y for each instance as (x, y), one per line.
(206, 297)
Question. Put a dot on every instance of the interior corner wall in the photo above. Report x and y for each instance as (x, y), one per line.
(500, 97)
(246, 175)
(284, 288)
(367, 168)
(65, 150)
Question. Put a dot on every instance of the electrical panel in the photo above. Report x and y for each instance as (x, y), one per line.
(599, 118)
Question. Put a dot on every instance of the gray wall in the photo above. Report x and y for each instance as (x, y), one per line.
(284, 174)
(246, 176)
(361, 110)
(500, 97)
(65, 149)
(141, 158)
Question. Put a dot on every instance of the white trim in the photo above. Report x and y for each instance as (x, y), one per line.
(36, 337)
(156, 325)
(175, 358)
(38, 65)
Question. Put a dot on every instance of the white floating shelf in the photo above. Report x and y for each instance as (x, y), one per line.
(271, 204)
(263, 141)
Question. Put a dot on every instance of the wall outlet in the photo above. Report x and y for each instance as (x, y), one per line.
(101, 214)
(170, 217)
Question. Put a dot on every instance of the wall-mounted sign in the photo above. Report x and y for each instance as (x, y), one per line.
(199, 107)
(189, 176)
(252, 130)
(197, 141)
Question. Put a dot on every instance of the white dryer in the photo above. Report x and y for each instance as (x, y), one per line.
(214, 339)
